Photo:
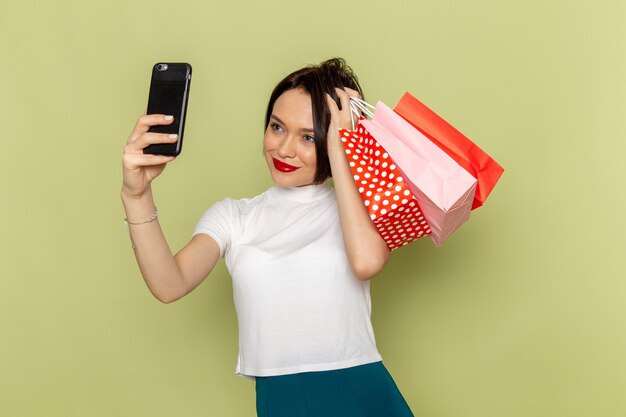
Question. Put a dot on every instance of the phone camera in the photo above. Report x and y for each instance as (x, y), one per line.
(161, 67)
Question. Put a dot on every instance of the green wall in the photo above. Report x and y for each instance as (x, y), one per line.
(520, 313)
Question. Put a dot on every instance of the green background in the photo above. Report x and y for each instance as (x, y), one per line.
(520, 313)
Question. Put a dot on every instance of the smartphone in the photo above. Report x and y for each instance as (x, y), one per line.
(169, 92)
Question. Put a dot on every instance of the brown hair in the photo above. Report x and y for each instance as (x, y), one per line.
(317, 80)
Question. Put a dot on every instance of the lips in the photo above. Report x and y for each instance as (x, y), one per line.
(283, 167)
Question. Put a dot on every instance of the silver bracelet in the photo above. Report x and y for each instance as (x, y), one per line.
(149, 220)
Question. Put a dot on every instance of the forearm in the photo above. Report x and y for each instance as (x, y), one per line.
(366, 250)
(154, 257)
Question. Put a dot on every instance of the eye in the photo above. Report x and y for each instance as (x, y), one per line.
(276, 127)
(309, 138)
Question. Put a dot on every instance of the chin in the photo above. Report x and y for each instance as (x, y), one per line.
(284, 180)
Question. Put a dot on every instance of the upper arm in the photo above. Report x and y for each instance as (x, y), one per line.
(197, 259)
(367, 267)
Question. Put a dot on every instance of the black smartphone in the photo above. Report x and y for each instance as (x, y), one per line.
(169, 92)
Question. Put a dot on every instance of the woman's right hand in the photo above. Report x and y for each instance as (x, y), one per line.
(140, 169)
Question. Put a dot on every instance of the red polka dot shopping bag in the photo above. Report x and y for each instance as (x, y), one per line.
(473, 159)
(444, 190)
(389, 202)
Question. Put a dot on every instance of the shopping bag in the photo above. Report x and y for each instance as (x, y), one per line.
(443, 189)
(473, 159)
(390, 204)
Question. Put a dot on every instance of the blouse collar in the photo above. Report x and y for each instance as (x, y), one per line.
(304, 194)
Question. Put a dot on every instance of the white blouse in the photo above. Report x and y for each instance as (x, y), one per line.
(299, 306)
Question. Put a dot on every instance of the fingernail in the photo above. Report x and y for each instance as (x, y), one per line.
(169, 117)
(172, 136)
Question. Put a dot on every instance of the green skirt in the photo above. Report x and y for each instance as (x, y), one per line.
(360, 391)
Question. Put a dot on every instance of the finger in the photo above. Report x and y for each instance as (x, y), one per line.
(344, 99)
(344, 95)
(332, 107)
(352, 93)
(133, 161)
(356, 94)
(147, 120)
(356, 115)
(346, 112)
(149, 138)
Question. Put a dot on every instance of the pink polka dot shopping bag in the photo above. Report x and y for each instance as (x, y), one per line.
(442, 188)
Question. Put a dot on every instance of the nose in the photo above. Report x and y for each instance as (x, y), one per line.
(287, 148)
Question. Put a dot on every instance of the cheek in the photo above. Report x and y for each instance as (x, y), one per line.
(310, 155)
(267, 142)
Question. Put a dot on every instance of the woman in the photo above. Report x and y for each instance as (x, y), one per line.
(300, 255)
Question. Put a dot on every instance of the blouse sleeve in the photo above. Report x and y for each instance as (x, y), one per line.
(218, 222)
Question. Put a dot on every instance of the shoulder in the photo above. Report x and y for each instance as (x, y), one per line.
(226, 215)
(239, 206)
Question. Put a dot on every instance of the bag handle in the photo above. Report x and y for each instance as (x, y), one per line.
(360, 107)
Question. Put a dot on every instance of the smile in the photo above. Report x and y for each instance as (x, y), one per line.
(283, 167)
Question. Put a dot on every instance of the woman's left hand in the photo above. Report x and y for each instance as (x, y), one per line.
(340, 119)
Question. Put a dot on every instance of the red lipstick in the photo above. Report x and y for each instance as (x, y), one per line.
(283, 167)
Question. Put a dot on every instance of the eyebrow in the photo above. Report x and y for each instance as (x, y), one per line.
(308, 130)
